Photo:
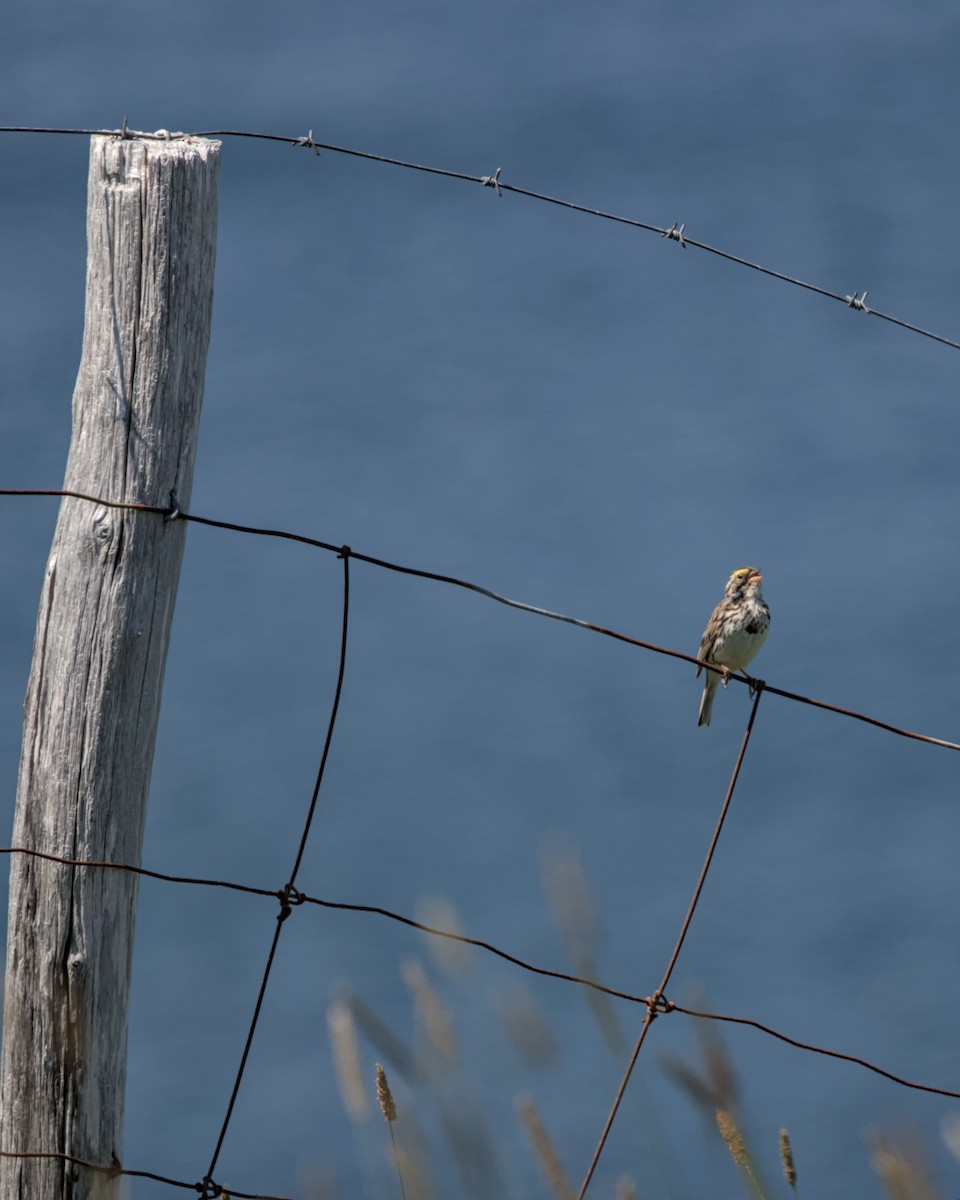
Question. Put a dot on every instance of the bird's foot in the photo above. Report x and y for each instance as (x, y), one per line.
(725, 674)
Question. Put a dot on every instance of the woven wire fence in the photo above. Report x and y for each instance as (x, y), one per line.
(288, 897)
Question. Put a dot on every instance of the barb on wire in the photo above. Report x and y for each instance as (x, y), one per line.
(495, 182)
(307, 143)
(676, 234)
(656, 1005)
(453, 581)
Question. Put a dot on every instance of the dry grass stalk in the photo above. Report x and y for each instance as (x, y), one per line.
(902, 1167)
(387, 1043)
(527, 1026)
(578, 917)
(730, 1132)
(565, 881)
(346, 1060)
(432, 1010)
(456, 958)
(410, 1175)
(389, 1110)
(543, 1148)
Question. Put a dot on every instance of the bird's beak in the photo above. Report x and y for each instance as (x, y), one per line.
(757, 576)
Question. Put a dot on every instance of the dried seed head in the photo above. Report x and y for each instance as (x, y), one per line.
(733, 1137)
(786, 1159)
(385, 1096)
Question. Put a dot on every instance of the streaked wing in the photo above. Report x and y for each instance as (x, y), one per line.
(709, 639)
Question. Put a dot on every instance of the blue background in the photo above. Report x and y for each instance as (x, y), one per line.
(579, 415)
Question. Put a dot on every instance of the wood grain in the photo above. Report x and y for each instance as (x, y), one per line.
(93, 698)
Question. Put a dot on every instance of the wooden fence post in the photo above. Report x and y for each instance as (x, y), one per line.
(102, 632)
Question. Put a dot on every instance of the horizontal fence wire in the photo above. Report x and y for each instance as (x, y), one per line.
(659, 1002)
(115, 1169)
(173, 512)
(675, 232)
(289, 896)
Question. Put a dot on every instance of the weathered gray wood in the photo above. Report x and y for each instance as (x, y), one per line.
(94, 693)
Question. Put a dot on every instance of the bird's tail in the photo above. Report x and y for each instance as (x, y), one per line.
(706, 700)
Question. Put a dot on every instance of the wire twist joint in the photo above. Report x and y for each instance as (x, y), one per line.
(657, 1004)
(289, 898)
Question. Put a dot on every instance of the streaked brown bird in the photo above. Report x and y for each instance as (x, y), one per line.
(734, 634)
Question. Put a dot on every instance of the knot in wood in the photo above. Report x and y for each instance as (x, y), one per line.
(106, 533)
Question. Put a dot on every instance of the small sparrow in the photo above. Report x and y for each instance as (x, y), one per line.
(734, 634)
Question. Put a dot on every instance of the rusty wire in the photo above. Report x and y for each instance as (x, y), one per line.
(205, 1187)
(289, 896)
(173, 512)
(656, 1003)
(660, 1003)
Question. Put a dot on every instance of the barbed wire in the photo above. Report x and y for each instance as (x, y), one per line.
(675, 232)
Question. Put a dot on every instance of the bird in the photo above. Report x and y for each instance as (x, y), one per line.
(734, 634)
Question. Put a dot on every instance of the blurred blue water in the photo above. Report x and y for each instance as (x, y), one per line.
(581, 416)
